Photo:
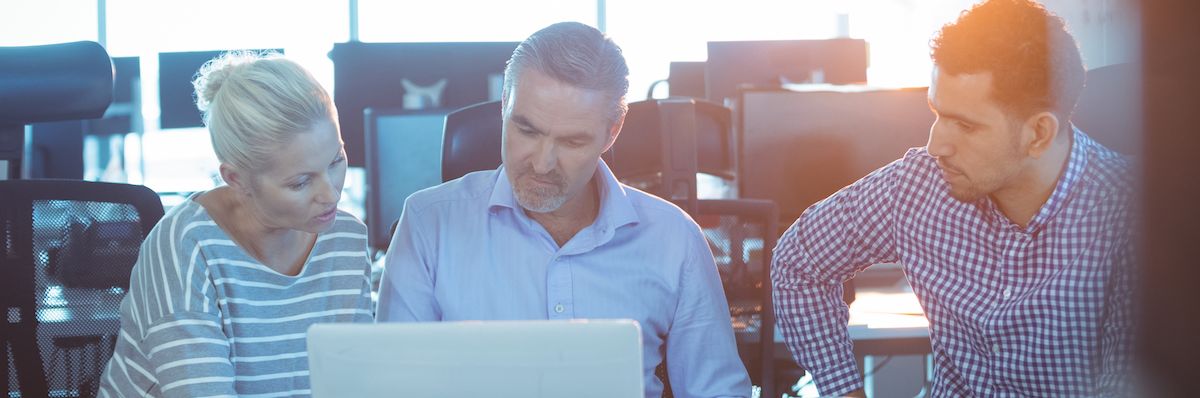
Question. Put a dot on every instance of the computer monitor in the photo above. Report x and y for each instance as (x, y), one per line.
(800, 147)
(371, 75)
(176, 95)
(686, 79)
(500, 359)
(123, 115)
(404, 155)
(771, 63)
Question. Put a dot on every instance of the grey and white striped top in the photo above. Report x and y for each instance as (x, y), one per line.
(203, 318)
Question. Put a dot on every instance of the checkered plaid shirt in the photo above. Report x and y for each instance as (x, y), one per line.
(1040, 311)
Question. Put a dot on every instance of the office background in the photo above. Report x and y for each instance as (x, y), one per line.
(167, 151)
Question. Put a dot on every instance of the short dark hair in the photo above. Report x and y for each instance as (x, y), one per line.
(1034, 61)
(575, 54)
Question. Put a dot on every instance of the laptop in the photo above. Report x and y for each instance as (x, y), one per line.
(525, 359)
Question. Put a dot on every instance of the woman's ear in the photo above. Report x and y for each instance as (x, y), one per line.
(236, 179)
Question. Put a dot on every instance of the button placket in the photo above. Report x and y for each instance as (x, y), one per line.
(558, 288)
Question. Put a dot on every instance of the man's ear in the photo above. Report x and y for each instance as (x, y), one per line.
(236, 179)
(1039, 133)
(614, 132)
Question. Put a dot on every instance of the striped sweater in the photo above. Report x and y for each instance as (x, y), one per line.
(202, 318)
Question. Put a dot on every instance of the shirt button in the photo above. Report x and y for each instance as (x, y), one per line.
(1007, 292)
(996, 348)
(559, 308)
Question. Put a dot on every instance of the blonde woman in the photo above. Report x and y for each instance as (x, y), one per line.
(227, 284)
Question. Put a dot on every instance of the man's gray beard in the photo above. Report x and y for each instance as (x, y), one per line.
(545, 201)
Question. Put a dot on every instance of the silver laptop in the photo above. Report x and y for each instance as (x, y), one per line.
(525, 359)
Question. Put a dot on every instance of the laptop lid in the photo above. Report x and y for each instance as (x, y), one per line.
(526, 359)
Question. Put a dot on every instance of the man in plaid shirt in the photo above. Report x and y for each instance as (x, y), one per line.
(1013, 227)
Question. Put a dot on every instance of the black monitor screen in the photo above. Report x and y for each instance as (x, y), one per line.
(372, 75)
(800, 147)
(686, 79)
(124, 114)
(176, 95)
(127, 73)
(404, 156)
(768, 64)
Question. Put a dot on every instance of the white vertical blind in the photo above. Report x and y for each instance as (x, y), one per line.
(466, 20)
(26, 23)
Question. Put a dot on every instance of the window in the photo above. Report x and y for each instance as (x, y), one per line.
(26, 23)
(181, 160)
(466, 20)
(654, 34)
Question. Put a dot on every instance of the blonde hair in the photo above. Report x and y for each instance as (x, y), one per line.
(255, 102)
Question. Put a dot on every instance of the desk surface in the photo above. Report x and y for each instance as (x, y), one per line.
(881, 323)
(65, 312)
(877, 315)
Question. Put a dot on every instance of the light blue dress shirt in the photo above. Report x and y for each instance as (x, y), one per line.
(465, 250)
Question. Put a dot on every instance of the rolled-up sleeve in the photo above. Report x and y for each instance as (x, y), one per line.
(831, 242)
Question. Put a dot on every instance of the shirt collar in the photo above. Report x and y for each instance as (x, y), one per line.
(502, 192)
(616, 208)
(1064, 188)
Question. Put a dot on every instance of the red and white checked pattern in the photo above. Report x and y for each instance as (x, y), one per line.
(1040, 311)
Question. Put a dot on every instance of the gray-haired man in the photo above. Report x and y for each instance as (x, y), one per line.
(551, 234)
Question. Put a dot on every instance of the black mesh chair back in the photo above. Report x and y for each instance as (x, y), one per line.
(742, 234)
(69, 247)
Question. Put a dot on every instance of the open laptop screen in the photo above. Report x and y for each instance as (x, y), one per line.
(526, 359)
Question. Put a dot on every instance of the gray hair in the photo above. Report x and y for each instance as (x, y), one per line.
(575, 54)
(254, 103)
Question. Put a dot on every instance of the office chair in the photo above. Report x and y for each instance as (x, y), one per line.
(70, 81)
(1109, 108)
(70, 247)
(742, 235)
(471, 140)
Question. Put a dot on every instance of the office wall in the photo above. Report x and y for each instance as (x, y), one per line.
(1107, 30)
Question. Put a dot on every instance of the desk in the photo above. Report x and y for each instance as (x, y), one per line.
(890, 323)
(76, 331)
(70, 312)
(881, 324)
